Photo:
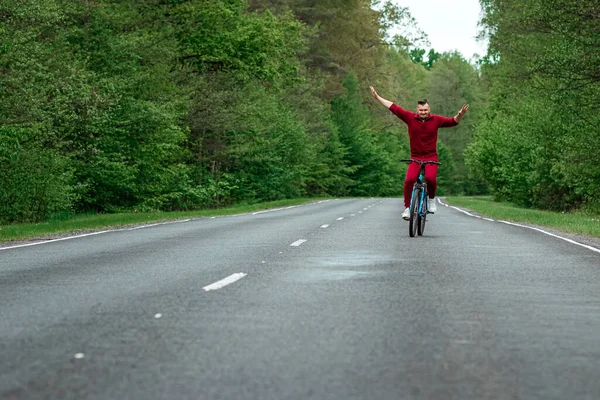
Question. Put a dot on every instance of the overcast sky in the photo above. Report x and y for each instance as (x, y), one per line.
(450, 24)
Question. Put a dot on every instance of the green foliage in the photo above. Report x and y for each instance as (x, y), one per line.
(446, 178)
(451, 83)
(184, 104)
(35, 182)
(417, 55)
(222, 36)
(103, 97)
(250, 139)
(374, 170)
(537, 144)
(399, 20)
(272, 156)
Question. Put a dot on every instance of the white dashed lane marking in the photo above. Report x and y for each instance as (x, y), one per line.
(224, 282)
(324, 226)
(298, 242)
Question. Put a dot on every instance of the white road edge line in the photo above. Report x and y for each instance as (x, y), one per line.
(159, 223)
(553, 235)
(273, 209)
(298, 242)
(224, 282)
(92, 234)
(54, 240)
(464, 212)
(532, 228)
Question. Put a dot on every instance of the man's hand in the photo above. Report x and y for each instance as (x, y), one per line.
(373, 92)
(384, 102)
(462, 112)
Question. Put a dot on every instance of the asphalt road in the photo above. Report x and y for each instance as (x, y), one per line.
(331, 300)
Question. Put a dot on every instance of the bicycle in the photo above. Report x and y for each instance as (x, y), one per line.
(418, 200)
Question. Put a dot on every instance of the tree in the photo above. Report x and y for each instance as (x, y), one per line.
(451, 83)
(374, 167)
(417, 55)
(544, 82)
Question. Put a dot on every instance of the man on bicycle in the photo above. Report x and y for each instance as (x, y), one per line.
(423, 134)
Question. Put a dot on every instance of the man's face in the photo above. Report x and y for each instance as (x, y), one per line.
(423, 110)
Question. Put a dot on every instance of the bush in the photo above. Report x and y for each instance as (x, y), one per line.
(35, 183)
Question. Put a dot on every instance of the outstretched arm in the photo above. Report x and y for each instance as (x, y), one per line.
(462, 112)
(383, 101)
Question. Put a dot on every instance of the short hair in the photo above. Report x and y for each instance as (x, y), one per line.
(422, 102)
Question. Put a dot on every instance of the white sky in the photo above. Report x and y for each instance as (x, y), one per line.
(450, 24)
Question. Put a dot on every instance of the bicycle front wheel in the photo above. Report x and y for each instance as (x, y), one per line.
(421, 224)
(414, 212)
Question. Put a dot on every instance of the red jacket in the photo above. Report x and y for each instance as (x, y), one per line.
(423, 134)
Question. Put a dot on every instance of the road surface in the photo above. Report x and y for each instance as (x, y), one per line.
(329, 300)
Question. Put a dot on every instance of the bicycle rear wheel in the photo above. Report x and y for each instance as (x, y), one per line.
(414, 212)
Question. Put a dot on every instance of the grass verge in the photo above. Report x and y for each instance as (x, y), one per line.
(90, 222)
(578, 223)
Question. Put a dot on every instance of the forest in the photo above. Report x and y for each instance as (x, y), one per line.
(129, 106)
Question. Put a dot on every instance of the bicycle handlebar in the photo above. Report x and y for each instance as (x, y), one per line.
(421, 162)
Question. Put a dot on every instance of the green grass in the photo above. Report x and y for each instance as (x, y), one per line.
(89, 222)
(579, 223)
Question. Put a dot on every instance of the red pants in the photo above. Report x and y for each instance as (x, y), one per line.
(412, 173)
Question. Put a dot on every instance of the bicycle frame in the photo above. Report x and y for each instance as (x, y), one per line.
(420, 183)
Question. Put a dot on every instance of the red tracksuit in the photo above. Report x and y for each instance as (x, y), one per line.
(423, 147)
